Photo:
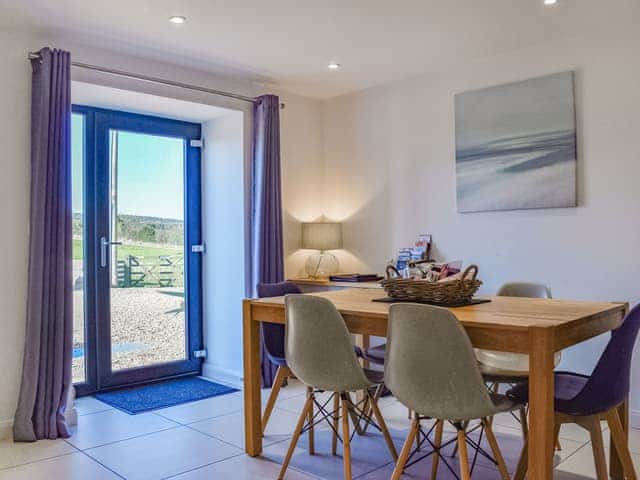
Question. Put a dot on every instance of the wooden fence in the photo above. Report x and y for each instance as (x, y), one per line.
(162, 271)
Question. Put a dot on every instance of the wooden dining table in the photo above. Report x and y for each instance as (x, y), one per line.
(538, 327)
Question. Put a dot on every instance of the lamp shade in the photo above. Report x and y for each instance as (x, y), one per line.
(322, 236)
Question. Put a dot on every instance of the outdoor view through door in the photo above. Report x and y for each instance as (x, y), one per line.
(136, 216)
(147, 250)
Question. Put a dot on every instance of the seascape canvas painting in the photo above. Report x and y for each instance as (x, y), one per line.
(516, 145)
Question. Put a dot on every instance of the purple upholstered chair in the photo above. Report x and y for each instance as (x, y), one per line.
(273, 341)
(586, 400)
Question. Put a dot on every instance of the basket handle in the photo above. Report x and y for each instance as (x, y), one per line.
(391, 268)
(470, 269)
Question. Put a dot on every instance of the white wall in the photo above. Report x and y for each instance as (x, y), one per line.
(302, 175)
(15, 102)
(223, 231)
(223, 220)
(390, 174)
(301, 155)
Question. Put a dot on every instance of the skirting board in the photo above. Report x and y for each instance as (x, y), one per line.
(221, 375)
(634, 419)
(6, 429)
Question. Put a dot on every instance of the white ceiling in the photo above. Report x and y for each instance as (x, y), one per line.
(136, 102)
(289, 42)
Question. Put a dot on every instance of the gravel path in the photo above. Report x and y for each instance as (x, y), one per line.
(148, 326)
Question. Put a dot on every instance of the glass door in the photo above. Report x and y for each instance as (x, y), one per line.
(146, 260)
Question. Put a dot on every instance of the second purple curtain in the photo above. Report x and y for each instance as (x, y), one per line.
(46, 375)
(267, 241)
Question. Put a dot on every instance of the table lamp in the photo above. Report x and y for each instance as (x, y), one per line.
(321, 236)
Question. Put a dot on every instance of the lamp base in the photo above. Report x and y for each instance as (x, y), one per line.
(321, 264)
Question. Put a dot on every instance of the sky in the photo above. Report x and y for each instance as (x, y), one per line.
(538, 105)
(150, 180)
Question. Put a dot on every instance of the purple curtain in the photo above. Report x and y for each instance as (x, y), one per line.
(46, 374)
(267, 247)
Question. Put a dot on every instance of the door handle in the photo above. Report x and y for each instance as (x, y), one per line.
(104, 243)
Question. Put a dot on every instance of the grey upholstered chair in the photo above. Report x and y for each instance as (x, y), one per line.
(493, 364)
(430, 366)
(524, 289)
(319, 352)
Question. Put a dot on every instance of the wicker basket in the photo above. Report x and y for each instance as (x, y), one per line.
(451, 292)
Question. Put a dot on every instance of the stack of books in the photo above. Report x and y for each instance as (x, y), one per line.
(420, 251)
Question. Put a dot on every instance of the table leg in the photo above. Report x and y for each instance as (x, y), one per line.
(252, 404)
(615, 465)
(541, 408)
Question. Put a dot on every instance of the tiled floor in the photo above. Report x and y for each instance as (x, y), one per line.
(203, 440)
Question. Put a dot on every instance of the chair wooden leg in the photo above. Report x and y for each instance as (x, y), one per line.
(621, 443)
(346, 438)
(355, 418)
(524, 423)
(595, 431)
(366, 408)
(465, 473)
(497, 454)
(437, 441)
(454, 452)
(406, 449)
(295, 437)
(312, 448)
(523, 463)
(367, 405)
(383, 426)
(556, 435)
(336, 416)
(495, 388)
(281, 376)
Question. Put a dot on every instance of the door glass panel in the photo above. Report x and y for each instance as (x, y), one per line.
(77, 210)
(147, 250)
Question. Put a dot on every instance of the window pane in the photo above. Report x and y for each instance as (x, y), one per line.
(147, 269)
(77, 206)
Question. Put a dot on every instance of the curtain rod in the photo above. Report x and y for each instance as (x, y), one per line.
(145, 78)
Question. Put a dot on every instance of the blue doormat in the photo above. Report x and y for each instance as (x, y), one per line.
(134, 400)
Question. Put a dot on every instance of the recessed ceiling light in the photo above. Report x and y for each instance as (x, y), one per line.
(177, 19)
(333, 66)
(550, 2)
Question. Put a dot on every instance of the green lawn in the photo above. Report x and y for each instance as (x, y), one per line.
(126, 250)
(77, 249)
